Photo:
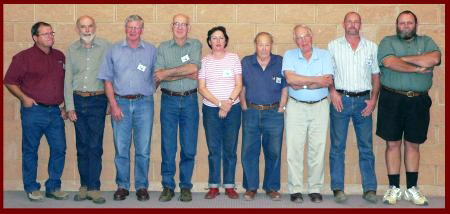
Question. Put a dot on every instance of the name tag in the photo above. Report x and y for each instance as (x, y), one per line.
(227, 73)
(141, 67)
(185, 58)
(277, 80)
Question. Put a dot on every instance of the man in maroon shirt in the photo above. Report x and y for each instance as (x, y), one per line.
(36, 77)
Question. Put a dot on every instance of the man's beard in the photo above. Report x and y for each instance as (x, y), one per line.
(407, 35)
(88, 38)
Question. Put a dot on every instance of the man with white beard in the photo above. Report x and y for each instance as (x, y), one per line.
(86, 104)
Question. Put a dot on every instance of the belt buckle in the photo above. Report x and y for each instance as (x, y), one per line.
(410, 93)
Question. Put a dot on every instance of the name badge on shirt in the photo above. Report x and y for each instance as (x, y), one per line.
(278, 80)
(185, 58)
(227, 73)
(141, 67)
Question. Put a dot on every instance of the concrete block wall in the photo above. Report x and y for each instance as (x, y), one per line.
(243, 22)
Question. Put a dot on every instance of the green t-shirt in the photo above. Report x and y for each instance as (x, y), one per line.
(394, 46)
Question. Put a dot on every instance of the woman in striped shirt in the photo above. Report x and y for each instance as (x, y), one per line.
(220, 82)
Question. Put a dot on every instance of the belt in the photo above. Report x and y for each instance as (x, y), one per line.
(173, 93)
(88, 93)
(264, 107)
(353, 94)
(406, 93)
(308, 102)
(47, 106)
(131, 97)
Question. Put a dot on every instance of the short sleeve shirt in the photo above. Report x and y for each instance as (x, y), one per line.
(394, 46)
(130, 69)
(219, 75)
(320, 64)
(171, 55)
(39, 75)
(262, 87)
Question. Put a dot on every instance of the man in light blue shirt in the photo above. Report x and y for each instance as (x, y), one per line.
(128, 74)
(308, 73)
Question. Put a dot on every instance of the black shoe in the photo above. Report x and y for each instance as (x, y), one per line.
(121, 194)
(297, 197)
(166, 195)
(185, 195)
(315, 197)
(142, 194)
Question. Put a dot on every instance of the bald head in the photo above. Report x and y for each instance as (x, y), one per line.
(352, 13)
(181, 16)
(83, 18)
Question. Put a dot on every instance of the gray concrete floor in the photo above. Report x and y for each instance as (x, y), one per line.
(18, 199)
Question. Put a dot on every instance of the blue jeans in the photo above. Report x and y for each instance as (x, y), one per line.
(222, 137)
(264, 128)
(182, 112)
(338, 133)
(137, 121)
(36, 122)
(89, 127)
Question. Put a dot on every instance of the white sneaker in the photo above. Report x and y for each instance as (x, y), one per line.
(414, 195)
(35, 196)
(392, 195)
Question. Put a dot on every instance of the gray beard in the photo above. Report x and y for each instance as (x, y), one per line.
(88, 39)
(406, 35)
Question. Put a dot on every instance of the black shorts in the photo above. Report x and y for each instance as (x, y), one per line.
(401, 116)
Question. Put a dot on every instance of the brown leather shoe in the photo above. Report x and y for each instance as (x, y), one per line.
(121, 194)
(274, 195)
(212, 193)
(231, 193)
(142, 194)
(249, 195)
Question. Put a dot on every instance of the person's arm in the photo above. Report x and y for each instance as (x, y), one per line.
(336, 98)
(397, 64)
(373, 96)
(17, 92)
(116, 112)
(187, 70)
(298, 81)
(425, 60)
(68, 89)
(283, 99)
(242, 99)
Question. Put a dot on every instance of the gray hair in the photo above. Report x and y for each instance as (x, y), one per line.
(303, 26)
(264, 34)
(132, 18)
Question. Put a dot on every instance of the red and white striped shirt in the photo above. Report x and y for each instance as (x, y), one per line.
(219, 76)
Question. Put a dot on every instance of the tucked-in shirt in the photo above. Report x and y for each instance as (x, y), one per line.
(405, 81)
(82, 67)
(320, 64)
(262, 86)
(353, 69)
(219, 76)
(171, 55)
(40, 76)
(130, 69)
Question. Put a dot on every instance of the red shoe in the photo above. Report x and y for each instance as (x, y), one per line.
(231, 193)
(212, 193)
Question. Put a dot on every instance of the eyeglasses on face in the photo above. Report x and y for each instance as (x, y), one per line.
(52, 34)
(179, 24)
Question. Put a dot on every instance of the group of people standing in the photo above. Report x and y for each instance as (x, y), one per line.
(265, 91)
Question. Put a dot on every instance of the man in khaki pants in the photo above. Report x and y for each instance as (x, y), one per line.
(308, 73)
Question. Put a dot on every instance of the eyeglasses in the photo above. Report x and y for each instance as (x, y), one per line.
(178, 24)
(47, 34)
(134, 28)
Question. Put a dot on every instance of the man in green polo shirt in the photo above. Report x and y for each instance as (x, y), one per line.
(176, 68)
(406, 63)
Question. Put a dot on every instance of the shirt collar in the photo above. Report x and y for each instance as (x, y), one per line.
(172, 42)
(41, 51)
(125, 43)
(95, 43)
(313, 56)
(254, 59)
(362, 42)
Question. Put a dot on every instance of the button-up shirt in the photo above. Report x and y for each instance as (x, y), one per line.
(353, 69)
(82, 67)
(405, 81)
(320, 64)
(40, 76)
(171, 55)
(262, 86)
(130, 70)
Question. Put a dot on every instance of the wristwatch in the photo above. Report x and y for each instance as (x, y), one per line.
(220, 104)
(305, 87)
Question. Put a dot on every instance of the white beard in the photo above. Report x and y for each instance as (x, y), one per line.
(88, 39)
